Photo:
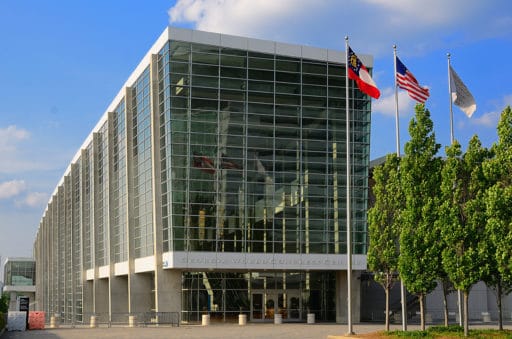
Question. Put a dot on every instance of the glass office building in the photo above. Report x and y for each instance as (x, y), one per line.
(214, 182)
(19, 280)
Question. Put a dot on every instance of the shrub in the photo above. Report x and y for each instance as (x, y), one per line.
(4, 303)
(2, 320)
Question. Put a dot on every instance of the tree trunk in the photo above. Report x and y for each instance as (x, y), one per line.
(422, 313)
(498, 297)
(445, 304)
(403, 297)
(466, 318)
(387, 309)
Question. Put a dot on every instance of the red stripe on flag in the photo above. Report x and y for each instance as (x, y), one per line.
(413, 88)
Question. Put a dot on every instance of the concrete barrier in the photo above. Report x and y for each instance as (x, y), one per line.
(205, 321)
(278, 318)
(311, 318)
(132, 321)
(242, 319)
(93, 323)
(54, 322)
(16, 321)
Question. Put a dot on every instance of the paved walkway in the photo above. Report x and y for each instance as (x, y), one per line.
(250, 331)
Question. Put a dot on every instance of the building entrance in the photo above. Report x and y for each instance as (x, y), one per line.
(259, 295)
(265, 304)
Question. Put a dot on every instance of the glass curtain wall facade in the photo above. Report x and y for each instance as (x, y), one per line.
(19, 272)
(212, 149)
(255, 152)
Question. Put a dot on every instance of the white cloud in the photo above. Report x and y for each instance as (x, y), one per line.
(422, 13)
(9, 136)
(240, 17)
(10, 153)
(490, 119)
(226, 15)
(507, 100)
(386, 103)
(34, 199)
(20, 152)
(375, 23)
(11, 188)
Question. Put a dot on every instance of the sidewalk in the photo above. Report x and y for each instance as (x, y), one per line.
(220, 331)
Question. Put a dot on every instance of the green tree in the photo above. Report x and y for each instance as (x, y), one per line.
(419, 261)
(496, 274)
(384, 226)
(4, 303)
(460, 217)
(498, 232)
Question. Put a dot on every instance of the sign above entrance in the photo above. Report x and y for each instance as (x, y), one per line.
(270, 261)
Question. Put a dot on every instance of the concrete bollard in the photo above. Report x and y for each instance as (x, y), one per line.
(205, 321)
(311, 318)
(242, 319)
(93, 323)
(278, 318)
(132, 321)
(486, 317)
(54, 323)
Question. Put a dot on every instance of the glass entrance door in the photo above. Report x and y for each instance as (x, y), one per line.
(293, 305)
(265, 304)
(271, 305)
(257, 310)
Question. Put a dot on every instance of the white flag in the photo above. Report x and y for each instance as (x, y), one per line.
(262, 171)
(461, 95)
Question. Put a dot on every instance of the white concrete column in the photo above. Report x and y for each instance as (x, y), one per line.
(92, 234)
(128, 116)
(139, 284)
(60, 255)
(101, 297)
(74, 242)
(110, 253)
(341, 296)
(167, 282)
(67, 250)
(88, 286)
(118, 294)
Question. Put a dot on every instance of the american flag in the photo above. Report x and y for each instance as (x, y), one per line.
(204, 163)
(407, 81)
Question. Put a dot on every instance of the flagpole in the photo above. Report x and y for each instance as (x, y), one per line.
(450, 95)
(402, 287)
(396, 107)
(348, 208)
(452, 139)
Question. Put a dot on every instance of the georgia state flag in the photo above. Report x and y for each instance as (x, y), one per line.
(358, 72)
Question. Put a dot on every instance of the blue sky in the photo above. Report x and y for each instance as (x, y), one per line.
(62, 62)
